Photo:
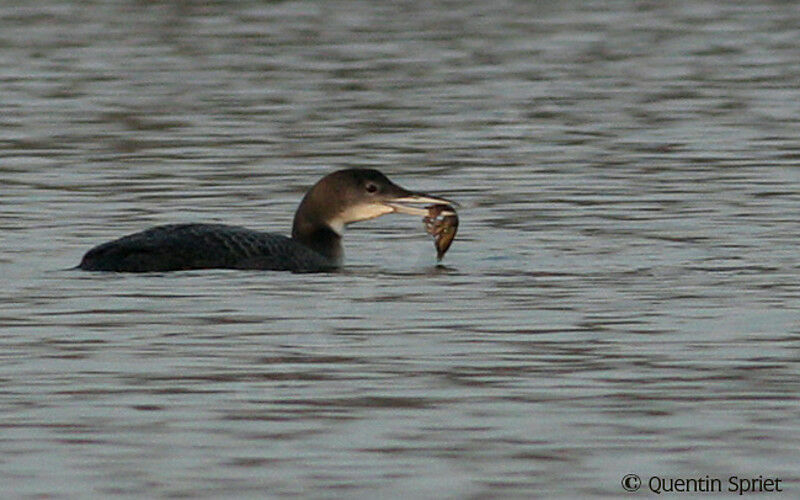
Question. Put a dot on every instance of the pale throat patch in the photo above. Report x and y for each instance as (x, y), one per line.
(358, 213)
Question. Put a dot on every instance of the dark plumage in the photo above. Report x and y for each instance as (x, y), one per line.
(177, 247)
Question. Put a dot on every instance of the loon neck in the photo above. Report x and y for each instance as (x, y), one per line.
(313, 227)
(321, 238)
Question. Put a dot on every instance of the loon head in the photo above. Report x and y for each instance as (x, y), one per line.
(348, 196)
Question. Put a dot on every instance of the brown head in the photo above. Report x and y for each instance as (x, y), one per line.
(348, 196)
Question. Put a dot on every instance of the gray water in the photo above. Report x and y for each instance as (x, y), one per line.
(622, 296)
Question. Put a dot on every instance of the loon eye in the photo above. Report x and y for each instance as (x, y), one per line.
(372, 188)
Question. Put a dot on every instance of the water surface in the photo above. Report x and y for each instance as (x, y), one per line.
(622, 296)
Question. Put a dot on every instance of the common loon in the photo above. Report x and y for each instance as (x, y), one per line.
(338, 199)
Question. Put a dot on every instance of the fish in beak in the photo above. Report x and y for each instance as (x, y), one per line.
(405, 204)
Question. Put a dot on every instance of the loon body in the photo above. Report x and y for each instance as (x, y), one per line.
(338, 199)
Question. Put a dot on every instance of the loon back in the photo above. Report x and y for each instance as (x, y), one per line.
(177, 247)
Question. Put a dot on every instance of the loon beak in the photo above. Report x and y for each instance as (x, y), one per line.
(404, 204)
